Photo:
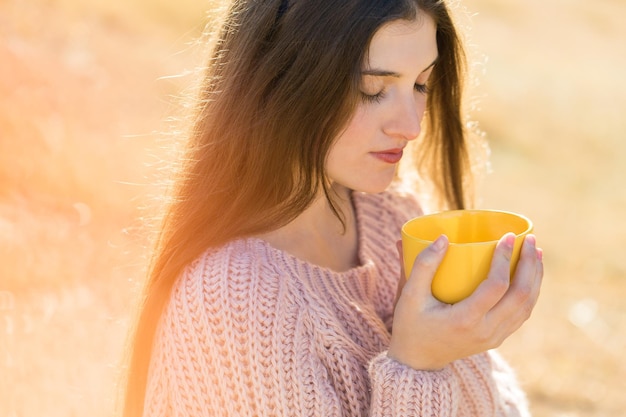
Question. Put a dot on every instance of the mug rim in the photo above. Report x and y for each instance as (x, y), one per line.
(526, 231)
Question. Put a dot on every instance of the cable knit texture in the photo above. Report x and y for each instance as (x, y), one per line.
(253, 331)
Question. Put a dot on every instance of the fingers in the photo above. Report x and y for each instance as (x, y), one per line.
(499, 307)
(528, 278)
(492, 289)
(525, 285)
(519, 301)
(478, 323)
(424, 268)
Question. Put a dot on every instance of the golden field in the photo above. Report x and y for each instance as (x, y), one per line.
(87, 90)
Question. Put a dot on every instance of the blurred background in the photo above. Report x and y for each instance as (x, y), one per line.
(87, 91)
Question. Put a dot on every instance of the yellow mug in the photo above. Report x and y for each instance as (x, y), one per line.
(473, 235)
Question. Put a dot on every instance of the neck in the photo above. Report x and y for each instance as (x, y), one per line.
(318, 236)
(319, 216)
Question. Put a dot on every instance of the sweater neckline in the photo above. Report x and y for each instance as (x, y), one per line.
(364, 260)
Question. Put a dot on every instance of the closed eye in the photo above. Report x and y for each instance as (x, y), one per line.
(373, 98)
(421, 88)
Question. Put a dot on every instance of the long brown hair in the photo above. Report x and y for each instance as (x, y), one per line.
(281, 83)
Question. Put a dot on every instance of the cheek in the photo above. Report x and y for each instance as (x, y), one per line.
(354, 139)
(359, 126)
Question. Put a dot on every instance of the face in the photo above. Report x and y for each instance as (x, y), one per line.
(393, 99)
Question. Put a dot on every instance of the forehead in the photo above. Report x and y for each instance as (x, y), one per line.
(403, 43)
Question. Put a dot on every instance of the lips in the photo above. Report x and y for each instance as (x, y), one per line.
(390, 156)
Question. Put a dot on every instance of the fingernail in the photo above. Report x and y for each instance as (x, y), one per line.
(440, 243)
(510, 240)
(540, 254)
(530, 240)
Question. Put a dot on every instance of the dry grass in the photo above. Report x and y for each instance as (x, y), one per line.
(84, 92)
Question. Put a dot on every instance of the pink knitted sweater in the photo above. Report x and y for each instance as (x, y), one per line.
(253, 331)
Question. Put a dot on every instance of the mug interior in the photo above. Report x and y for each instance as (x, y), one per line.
(467, 226)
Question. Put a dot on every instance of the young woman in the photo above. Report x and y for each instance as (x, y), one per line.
(276, 287)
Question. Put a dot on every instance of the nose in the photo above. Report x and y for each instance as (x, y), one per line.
(405, 121)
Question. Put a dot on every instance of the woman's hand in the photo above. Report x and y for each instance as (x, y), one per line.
(428, 334)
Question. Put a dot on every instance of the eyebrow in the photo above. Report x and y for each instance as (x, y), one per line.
(384, 73)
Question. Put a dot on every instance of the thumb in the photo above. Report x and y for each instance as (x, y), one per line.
(425, 267)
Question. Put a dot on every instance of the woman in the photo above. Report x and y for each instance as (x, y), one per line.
(276, 287)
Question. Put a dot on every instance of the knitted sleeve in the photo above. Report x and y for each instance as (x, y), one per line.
(478, 386)
(398, 390)
(235, 341)
(481, 385)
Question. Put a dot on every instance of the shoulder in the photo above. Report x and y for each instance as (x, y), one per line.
(234, 277)
(245, 260)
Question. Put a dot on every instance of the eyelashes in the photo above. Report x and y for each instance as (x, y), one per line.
(376, 98)
(373, 98)
(421, 88)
